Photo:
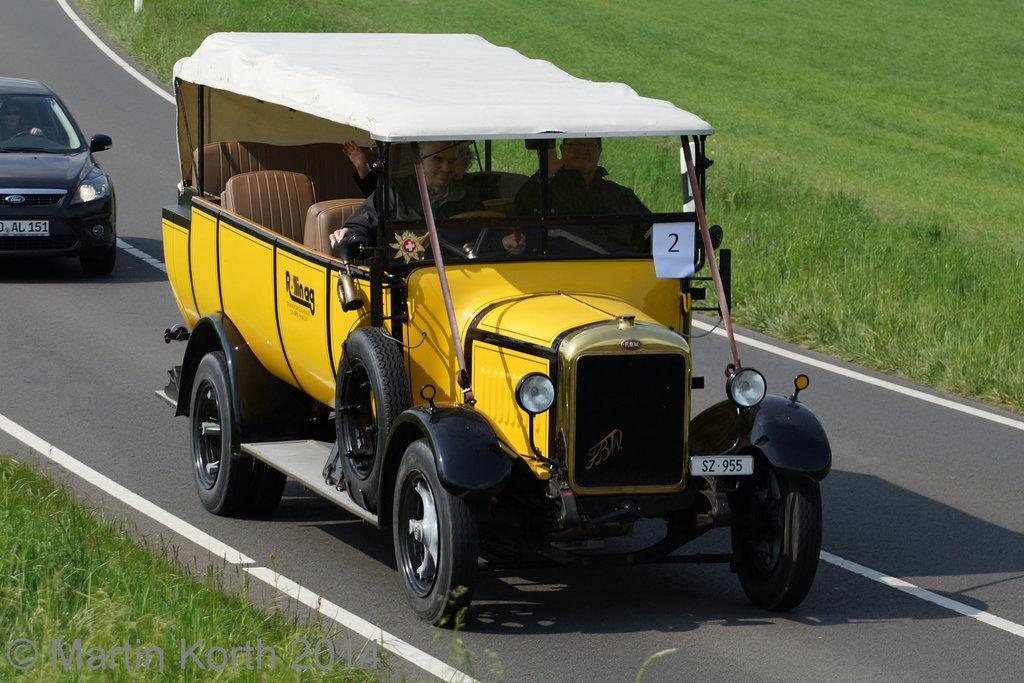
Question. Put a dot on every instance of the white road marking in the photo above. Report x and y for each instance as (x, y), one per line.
(139, 254)
(926, 595)
(1004, 420)
(282, 583)
(77, 21)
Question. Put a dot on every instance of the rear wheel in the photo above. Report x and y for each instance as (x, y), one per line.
(222, 480)
(372, 390)
(436, 541)
(776, 555)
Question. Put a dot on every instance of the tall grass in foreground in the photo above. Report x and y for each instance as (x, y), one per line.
(64, 575)
(868, 155)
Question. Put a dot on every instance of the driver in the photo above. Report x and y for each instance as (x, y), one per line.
(442, 163)
(11, 121)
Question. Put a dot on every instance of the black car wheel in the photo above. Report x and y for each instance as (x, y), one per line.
(436, 540)
(372, 390)
(776, 554)
(99, 263)
(222, 480)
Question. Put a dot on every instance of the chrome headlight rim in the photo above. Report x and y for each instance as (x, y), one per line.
(94, 187)
(746, 387)
(535, 393)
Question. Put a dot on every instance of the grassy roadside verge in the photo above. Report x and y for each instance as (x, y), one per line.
(81, 600)
(865, 154)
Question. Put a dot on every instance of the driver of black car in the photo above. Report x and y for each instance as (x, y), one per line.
(12, 121)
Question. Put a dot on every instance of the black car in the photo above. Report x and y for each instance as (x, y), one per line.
(54, 199)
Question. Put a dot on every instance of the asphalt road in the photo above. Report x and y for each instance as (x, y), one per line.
(922, 577)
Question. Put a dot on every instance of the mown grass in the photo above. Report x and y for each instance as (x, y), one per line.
(68, 575)
(868, 155)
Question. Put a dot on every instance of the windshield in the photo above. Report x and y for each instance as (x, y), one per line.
(564, 198)
(37, 124)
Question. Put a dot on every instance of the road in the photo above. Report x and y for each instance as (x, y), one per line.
(922, 575)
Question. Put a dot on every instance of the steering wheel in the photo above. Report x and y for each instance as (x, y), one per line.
(36, 138)
(481, 239)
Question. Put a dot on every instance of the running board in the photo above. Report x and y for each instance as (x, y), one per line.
(304, 462)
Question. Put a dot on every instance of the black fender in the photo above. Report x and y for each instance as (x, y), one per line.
(264, 407)
(784, 432)
(472, 462)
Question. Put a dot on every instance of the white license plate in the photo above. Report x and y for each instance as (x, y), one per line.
(35, 228)
(721, 465)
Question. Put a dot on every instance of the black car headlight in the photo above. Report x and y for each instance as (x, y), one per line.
(94, 187)
(746, 387)
(535, 393)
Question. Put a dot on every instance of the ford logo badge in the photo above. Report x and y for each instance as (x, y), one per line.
(14, 199)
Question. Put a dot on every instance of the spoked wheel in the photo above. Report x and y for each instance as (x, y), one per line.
(776, 555)
(436, 541)
(372, 390)
(222, 480)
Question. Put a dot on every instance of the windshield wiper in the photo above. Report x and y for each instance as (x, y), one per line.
(17, 148)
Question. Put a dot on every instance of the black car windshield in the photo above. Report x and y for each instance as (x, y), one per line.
(36, 124)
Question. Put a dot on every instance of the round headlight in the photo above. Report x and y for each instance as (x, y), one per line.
(535, 393)
(746, 387)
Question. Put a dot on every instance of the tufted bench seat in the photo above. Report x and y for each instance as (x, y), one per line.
(277, 200)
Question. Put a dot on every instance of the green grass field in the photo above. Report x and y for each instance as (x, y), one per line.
(69, 576)
(868, 155)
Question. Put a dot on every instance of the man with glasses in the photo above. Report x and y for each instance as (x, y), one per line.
(443, 164)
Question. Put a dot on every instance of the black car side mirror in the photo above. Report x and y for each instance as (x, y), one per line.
(100, 142)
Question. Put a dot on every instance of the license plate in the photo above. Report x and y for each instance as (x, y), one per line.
(721, 465)
(36, 228)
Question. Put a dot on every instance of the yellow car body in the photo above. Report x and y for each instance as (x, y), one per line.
(514, 380)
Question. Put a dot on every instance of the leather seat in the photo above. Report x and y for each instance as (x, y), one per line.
(323, 218)
(277, 200)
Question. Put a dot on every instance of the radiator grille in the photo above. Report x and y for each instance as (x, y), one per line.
(629, 421)
(30, 199)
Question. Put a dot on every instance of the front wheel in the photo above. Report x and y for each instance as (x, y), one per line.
(776, 553)
(371, 392)
(436, 540)
(99, 263)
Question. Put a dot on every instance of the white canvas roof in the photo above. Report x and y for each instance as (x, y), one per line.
(404, 87)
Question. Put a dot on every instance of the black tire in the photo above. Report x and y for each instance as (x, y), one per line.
(267, 488)
(101, 263)
(436, 541)
(776, 556)
(372, 390)
(222, 480)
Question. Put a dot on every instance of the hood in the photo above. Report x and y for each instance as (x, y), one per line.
(28, 170)
(543, 318)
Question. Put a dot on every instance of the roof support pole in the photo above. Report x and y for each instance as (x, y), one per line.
(462, 377)
(709, 251)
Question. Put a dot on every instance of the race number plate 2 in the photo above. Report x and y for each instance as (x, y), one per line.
(721, 465)
(30, 228)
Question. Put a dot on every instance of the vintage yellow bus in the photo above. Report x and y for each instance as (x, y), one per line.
(450, 288)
